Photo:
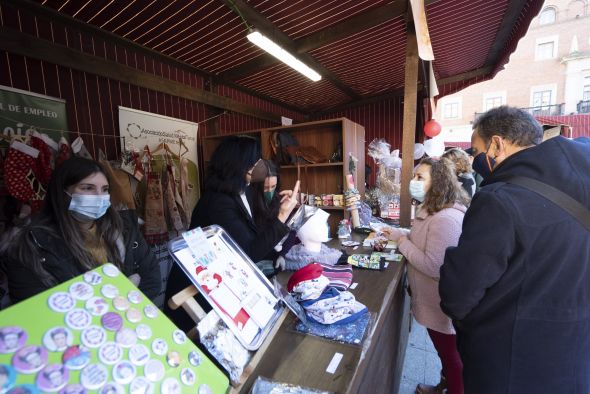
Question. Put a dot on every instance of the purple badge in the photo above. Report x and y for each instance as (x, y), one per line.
(52, 378)
(57, 339)
(11, 339)
(24, 389)
(112, 321)
(30, 359)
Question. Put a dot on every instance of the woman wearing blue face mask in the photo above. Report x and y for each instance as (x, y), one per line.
(437, 225)
(77, 231)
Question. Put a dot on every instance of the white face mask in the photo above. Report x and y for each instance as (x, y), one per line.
(90, 206)
(417, 190)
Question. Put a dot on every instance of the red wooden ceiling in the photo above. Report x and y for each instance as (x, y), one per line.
(210, 36)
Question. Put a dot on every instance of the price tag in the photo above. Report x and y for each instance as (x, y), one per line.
(334, 363)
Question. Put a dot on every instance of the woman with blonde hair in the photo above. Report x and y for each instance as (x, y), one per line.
(437, 225)
(463, 169)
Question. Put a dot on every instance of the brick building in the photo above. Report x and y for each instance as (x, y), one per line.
(548, 74)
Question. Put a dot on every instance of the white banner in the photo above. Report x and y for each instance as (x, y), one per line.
(144, 128)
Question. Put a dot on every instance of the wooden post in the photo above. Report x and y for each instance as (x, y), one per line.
(409, 127)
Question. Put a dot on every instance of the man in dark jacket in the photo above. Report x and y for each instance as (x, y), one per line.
(518, 283)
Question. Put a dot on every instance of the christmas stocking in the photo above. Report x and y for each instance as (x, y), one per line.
(79, 149)
(45, 161)
(20, 177)
(64, 152)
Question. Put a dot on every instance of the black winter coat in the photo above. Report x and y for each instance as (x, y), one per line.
(59, 262)
(518, 283)
(229, 212)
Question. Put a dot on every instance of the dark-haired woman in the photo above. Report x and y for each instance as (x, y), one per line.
(228, 202)
(78, 230)
(437, 226)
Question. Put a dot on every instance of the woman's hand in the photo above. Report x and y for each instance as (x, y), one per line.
(288, 202)
(394, 233)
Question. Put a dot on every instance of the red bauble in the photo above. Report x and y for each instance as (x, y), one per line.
(432, 128)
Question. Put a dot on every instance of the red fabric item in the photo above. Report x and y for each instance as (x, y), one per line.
(19, 174)
(64, 152)
(309, 272)
(44, 166)
(452, 366)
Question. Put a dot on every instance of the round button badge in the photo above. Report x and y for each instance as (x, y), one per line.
(171, 386)
(109, 291)
(205, 389)
(143, 331)
(7, 377)
(76, 357)
(73, 389)
(54, 377)
(57, 339)
(150, 311)
(187, 376)
(179, 337)
(194, 358)
(24, 388)
(81, 291)
(123, 372)
(78, 319)
(159, 346)
(139, 354)
(93, 336)
(173, 358)
(126, 337)
(12, 338)
(141, 385)
(61, 302)
(154, 370)
(112, 388)
(92, 278)
(110, 353)
(134, 315)
(135, 297)
(30, 359)
(120, 303)
(111, 321)
(110, 270)
(97, 306)
(94, 376)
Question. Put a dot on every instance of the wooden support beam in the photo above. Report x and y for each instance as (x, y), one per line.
(409, 125)
(258, 21)
(23, 44)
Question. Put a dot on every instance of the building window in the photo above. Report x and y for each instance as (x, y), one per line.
(545, 50)
(548, 16)
(451, 111)
(586, 91)
(541, 98)
(576, 9)
(493, 102)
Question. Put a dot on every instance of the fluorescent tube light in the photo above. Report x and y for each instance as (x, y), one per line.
(271, 47)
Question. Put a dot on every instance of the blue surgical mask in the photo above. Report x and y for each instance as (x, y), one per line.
(483, 165)
(90, 206)
(417, 190)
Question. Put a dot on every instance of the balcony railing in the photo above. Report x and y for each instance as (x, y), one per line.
(543, 110)
(583, 107)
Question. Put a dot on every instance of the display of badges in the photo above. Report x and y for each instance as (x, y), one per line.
(133, 315)
(179, 337)
(110, 270)
(92, 278)
(123, 372)
(154, 370)
(135, 297)
(78, 319)
(30, 359)
(81, 291)
(126, 337)
(97, 306)
(109, 291)
(205, 389)
(76, 357)
(194, 358)
(110, 353)
(151, 311)
(120, 303)
(171, 386)
(57, 339)
(7, 377)
(187, 376)
(93, 336)
(139, 354)
(141, 385)
(12, 338)
(52, 378)
(159, 346)
(111, 321)
(61, 302)
(94, 376)
(73, 389)
(112, 388)
(143, 331)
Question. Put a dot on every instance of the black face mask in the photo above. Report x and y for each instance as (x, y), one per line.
(483, 165)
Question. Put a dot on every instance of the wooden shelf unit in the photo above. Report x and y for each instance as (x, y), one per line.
(320, 178)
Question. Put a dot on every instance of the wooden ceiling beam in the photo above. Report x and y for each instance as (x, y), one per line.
(465, 76)
(259, 22)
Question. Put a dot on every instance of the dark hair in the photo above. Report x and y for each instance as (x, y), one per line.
(460, 159)
(56, 220)
(261, 210)
(444, 190)
(513, 124)
(230, 162)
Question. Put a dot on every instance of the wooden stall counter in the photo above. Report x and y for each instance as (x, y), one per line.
(373, 367)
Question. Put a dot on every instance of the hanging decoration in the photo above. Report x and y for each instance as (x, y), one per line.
(432, 128)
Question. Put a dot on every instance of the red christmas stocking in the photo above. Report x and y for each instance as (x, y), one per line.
(20, 177)
(64, 152)
(45, 162)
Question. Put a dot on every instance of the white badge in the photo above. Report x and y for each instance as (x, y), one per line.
(78, 319)
(61, 302)
(110, 270)
(171, 386)
(135, 297)
(97, 306)
(154, 370)
(194, 358)
(92, 278)
(94, 376)
(58, 339)
(126, 337)
(159, 346)
(151, 311)
(133, 315)
(81, 291)
(110, 353)
(205, 389)
(123, 372)
(93, 336)
(143, 331)
(111, 388)
(179, 337)
(141, 385)
(109, 291)
(139, 354)
(188, 377)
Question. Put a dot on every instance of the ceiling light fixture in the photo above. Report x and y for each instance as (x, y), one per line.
(275, 50)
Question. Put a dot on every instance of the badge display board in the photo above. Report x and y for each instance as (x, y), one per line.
(236, 289)
(98, 333)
